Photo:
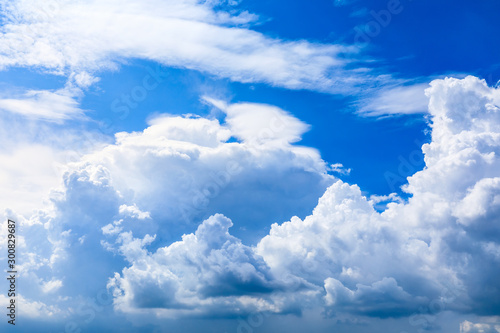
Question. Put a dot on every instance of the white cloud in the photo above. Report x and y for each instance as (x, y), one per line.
(468, 327)
(438, 248)
(52, 286)
(187, 34)
(43, 104)
(162, 181)
(178, 168)
(35, 155)
(26, 186)
(258, 124)
(482, 203)
(32, 309)
(134, 211)
(340, 169)
(391, 299)
(345, 234)
(396, 101)
(206, 271)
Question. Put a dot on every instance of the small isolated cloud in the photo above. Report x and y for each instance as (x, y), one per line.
(208, 271)
(339, 169)
(359, 12)
(341, 3)
(51, 286)
(82, 79)
(134, 211)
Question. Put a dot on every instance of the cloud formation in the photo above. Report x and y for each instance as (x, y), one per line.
(124, 202)
(43, 104)
(398, 100)
(124, 205)
(439, 248)
(209, 269)
(188, 34)
(468, 327)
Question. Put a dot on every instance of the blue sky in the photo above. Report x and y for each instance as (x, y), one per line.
(252, 166)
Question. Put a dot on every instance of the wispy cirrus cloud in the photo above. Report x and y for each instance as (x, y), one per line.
(47, 105)
(186, 34)
(211, 37)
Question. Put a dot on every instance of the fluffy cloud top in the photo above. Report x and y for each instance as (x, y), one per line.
(125, 202)
(439, 249)
(185, 169)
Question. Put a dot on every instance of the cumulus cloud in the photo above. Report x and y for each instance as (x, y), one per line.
(182, 170)
(368, 263)
(361, 258)
(438, 250)
(122, 203)
(134, 211)
(33, 309)
(444, 239)
(208, 270)
(388, 299)
(399, 100)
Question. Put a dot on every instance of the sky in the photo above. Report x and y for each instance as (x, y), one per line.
(251, 166)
